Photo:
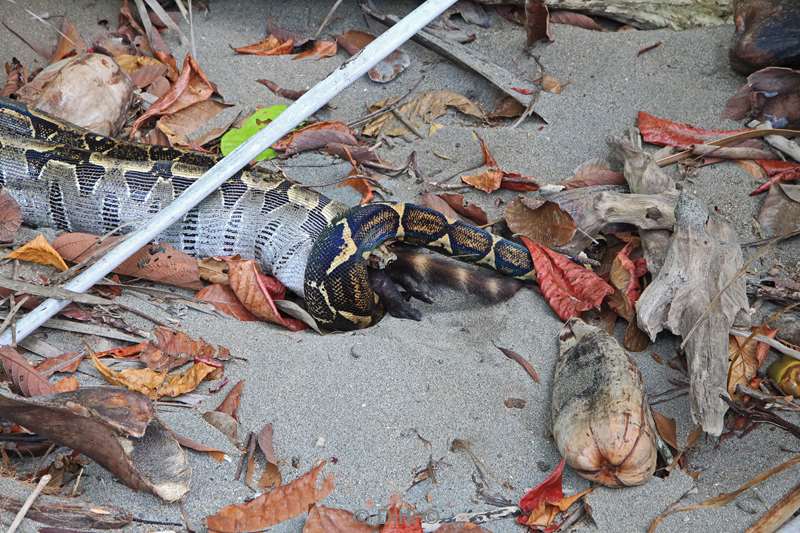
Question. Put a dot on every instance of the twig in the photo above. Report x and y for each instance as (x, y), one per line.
(780, 402)
(773, 343)
(399, 116)
(387, 108)
(779, 143)
(732, 152)
(779, 514)
(12, 312)
(759, 415)
(524, 363)
(89, 329)
(525, 114)
(776, 239)
(725, 141)
(327, 18)
(43, 481)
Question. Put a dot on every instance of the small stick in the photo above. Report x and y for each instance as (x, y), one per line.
(328, 17)
(774, 343)
(43, 481)
(776, 141)
(524, 363)
(732, 152)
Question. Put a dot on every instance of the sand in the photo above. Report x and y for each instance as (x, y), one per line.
(360, 399)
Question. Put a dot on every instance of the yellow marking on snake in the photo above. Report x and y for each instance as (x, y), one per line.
(363, 321)
(400, 209)
(347, 251)
(442, 242)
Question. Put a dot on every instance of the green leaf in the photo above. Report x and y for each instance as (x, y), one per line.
(252, 125)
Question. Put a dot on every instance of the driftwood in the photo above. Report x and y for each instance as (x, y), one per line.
(698, 294)
(115, 427)
(644, 176)
(62, 512)
(646, 14)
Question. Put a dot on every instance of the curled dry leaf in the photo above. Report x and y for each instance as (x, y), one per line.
(537, 22)
(192, 86)
(541, 505)
(271, 477)
(507, 107)
(225, 301)
(274, 507)
(257, 292)
(494, 177)
(746, 355)
(10, 217)
(487, 181)
(791, 172)
(213, 269)
(16, 77)
(771, 94)
(66, 362)
(625, 276)
(667, 429)
(666, 132)
(268, 46)
(323, 519)
(315, 136)
(143, 70)
(465, 209)
(230, 405)
(66, 384)
(387, 69)
(69, 42)
(574, 19)
(115, 427)
(181, 128)
(216, 454)
(157, 385)
(421, 110)
(318, 50)
(39, 251)
(172, 349)
(568, 288)
(436, 202)
(545, 224)
(24, 377)
(155, 262)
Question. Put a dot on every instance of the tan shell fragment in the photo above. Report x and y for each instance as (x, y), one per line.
(602, 423)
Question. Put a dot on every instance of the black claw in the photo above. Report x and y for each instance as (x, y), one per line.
(393, 300)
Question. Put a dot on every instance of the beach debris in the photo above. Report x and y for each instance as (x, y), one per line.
(225, 301)
(537, 22)
(494, 177)
(505, 80)
(521, 361)
(289, 94)
(323, 519)
(283, 42)
(568, 288)
(26, 379)
(746, 355)
(225, 417)
(274, 507)
(251, 125)
(541, 221)
(766, 35)
(785, 372)
(542, 504)
(39, 251)
(158, 262)
(353, 41)
(573, 18)
(469, 211)
(156, 385)
(780, 212)
(89, 90)
(606, 432)
(115, 427)
(780, 513)
(317, 135)
(771, 94)
(417, 112)
(697, 294)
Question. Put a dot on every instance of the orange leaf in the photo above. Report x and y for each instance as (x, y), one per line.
(71, 360)
(319, 50)
(323, 519)
(191, 87)
(224, 299)
(546, 224)
(487, 181)
(67, 384)
(257, 293)
(400, 521)
(27, 379)
(624, 277)
(548, 491)
(268, 46)
(154, 384)
(667, 428)
(746, 355)
(39, 251)
(10, 217)
(274, 507)
(230, 405)
(363, 186)
(569, 288)
(69, 42)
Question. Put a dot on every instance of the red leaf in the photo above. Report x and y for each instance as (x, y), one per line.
(465, 209)
(537, 22)
(773, 166)
(230, 405)
(401, 522)
(568, 288)
(514, 181)
(315, 136)
(784, 176)
(624, 276)
(257, 293)
(594, 172)
(548, 491)
(666, 132)
(224, 299)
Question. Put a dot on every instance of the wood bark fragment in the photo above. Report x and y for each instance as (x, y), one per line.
(644, 176)
(646, 14)
(699, 289)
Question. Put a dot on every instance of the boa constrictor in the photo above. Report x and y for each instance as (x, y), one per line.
(68, 178)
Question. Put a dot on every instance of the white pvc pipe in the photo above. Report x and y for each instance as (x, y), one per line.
(304, 107)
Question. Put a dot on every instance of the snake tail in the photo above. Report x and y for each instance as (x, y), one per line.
(337, 289)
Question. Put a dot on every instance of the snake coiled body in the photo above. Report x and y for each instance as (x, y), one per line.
(68, 178)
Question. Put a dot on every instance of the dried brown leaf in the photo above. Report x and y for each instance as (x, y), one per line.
(230, 405)
(157, 385)
(257, 292)
(274, 507)
(26, 378)
(667, 428)
(270, 45)
(387, 69)
(547, 224)
(143, 70)
(487, 181)
(421, 110)
(574, 19)
(225, 301)
(465, 209)
(69, 42)
(179, 127)
(780, 212)
(66, 362)
(537, 22)
(594, 172)
(10, 217)
(507, 107)
(323, 519)
(746, 355)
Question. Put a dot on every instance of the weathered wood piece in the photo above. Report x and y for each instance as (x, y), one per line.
(698, 294)
(602, 424)
(646, 14)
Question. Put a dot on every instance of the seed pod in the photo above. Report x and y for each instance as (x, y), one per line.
(602, 423)
(785, 372)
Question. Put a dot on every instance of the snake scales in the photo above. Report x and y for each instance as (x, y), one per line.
(65, 177)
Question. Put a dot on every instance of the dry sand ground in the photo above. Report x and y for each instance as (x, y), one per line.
(362, 393)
